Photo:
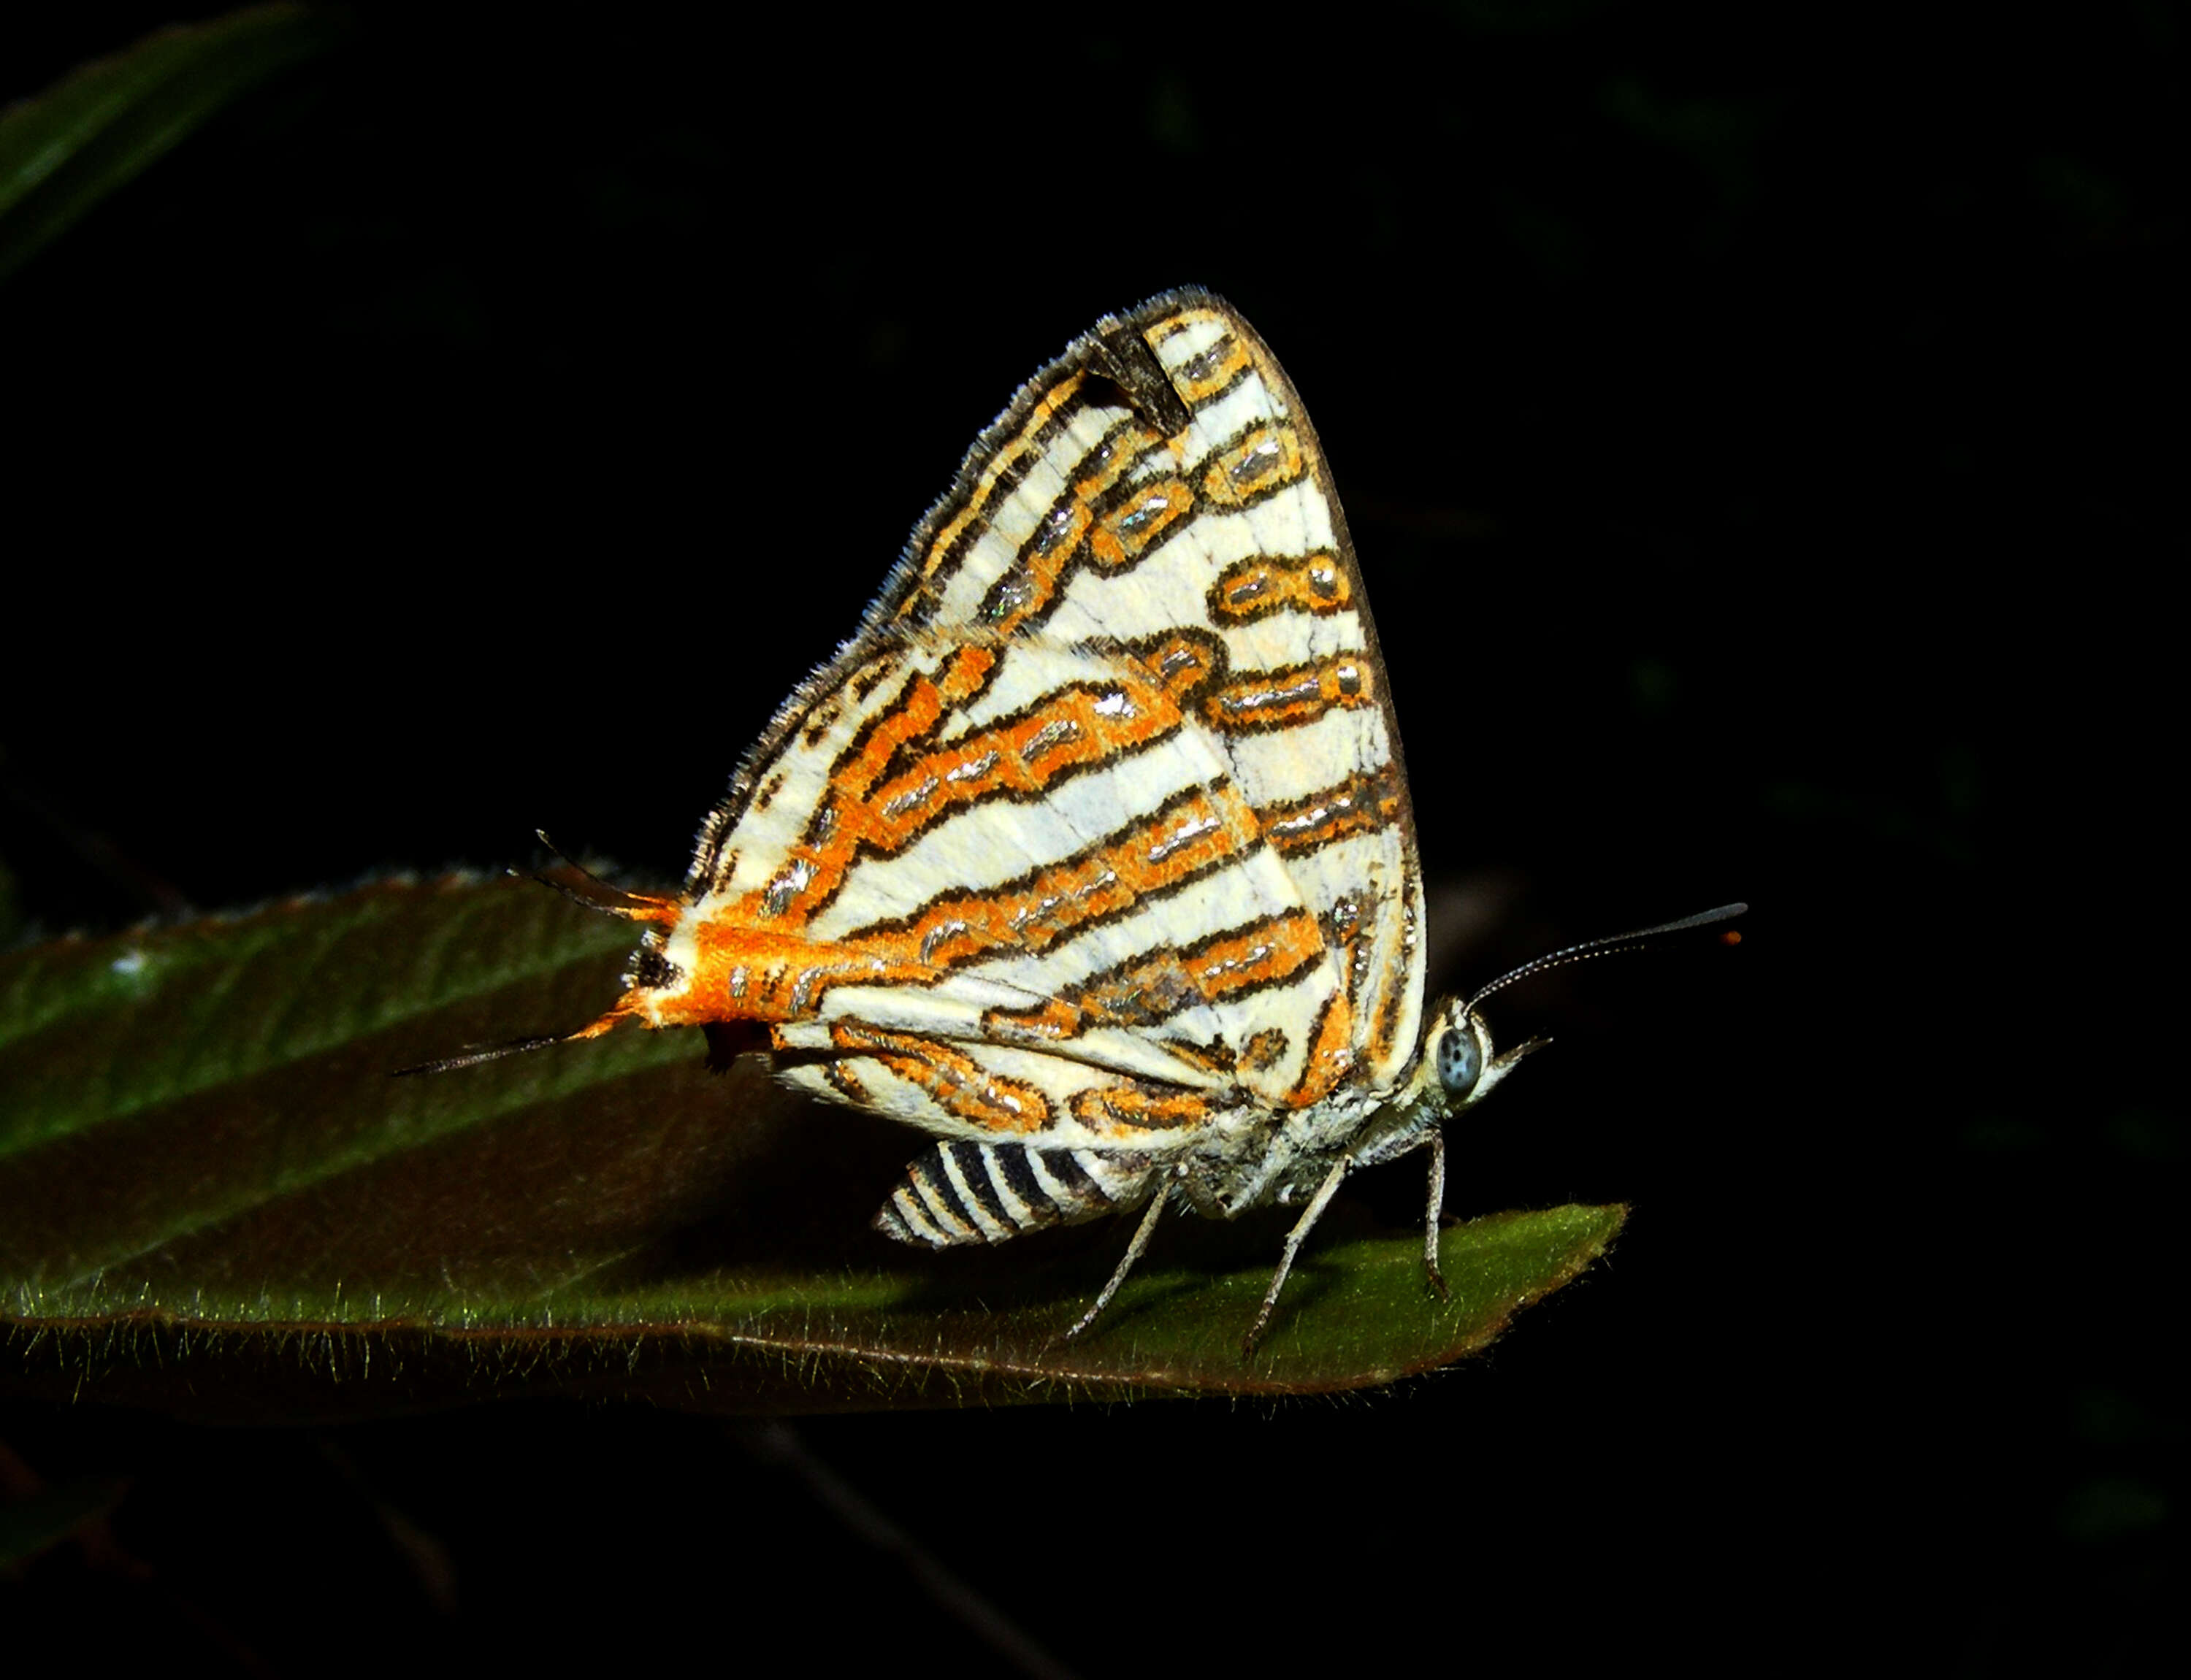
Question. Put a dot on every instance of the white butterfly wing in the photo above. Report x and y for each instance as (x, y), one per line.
(1107, 789)
(1163, 477)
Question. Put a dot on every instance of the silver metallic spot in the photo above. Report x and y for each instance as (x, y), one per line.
(1053, 531)
(1187, 831)
(1199, 370)
(1253, 700)
(1014, 591)
(1152, 507)
(1049, 738)
(936, 936)
(1259, 463)
(1249, 589)
(911, 800)
(788, 885)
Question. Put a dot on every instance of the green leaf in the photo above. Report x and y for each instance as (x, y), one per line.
(214, 1199)
(101, 125)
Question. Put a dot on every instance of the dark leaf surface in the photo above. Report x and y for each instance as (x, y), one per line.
(214, 1198)
(97, 128)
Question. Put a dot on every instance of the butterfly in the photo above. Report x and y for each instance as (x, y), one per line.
(1090, 855)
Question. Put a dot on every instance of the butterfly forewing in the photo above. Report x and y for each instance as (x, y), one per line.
(1217, 546)
(1098, 823)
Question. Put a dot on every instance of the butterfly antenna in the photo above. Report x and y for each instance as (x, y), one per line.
(1638, 941)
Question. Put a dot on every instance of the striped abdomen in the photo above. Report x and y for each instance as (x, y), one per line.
(961, 1192)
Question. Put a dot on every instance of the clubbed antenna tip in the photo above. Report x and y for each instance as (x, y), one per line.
(1638, 941)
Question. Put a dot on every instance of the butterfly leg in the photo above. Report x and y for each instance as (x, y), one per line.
(1142, 1233)
(1295, 1238)
(1436, 1145)
(1433, 1139)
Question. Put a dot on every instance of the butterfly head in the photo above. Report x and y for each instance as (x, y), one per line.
(1458, 1066)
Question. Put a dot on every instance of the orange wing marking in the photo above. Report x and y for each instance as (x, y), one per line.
(1003, 470)
(1215, 370)
(1122, 537)
(1264, 584)
(1361, 805)
(1072, 529)
(756, 961)
(1187, 836)
(953, 1080)
(1079, 727)
(1125, 1109)
(1162, 984)
(1299, 693)
(1267, 458)
(1330, 1056)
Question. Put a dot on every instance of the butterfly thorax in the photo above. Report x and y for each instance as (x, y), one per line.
(1264, 1158)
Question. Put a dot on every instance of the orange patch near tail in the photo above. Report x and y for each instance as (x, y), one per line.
(751, 974)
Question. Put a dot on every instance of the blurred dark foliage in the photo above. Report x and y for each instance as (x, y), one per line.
(1754, 423)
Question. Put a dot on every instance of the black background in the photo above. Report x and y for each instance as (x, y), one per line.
(1752, 421)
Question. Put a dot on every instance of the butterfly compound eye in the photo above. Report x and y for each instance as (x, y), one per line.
(1459, 1057)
